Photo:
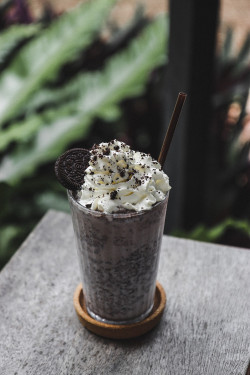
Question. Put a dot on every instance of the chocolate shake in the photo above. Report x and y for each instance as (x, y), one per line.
(118, 217)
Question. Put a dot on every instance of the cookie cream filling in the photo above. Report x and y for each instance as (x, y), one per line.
(119, 178)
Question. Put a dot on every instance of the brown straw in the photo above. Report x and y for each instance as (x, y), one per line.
(171, 128)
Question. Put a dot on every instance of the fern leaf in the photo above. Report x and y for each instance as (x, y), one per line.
(13, 36)
(48, 139)
(132, 62)
(125, 75)
(20, 132)
(41, 59)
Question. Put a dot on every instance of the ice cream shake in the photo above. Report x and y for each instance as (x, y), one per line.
(118, 217)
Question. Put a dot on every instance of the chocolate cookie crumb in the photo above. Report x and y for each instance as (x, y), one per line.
(113, 194)
(106, 151)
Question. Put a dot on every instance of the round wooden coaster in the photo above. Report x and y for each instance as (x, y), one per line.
(114, 331)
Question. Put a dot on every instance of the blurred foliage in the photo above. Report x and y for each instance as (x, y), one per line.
(62, 84)
(39, 61)
(204, 233)
(85, 97)
(229, 189)
(12, 38)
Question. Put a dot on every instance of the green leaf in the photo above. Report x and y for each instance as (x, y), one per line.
(44, 148)
(125, 75)
(49, 200)
(41, 59)
(7, 233)
(203, 233)
(20, 132)
(110, 113)
(13, 36)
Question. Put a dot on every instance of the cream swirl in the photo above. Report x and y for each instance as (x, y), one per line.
(119, 178)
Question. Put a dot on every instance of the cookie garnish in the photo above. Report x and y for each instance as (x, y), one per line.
(70, 168)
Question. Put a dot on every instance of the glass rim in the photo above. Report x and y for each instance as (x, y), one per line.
(115, 214)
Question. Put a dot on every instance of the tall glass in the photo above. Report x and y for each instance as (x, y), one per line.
(119, 257)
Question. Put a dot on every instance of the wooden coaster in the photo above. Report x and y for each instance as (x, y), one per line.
(114, 331)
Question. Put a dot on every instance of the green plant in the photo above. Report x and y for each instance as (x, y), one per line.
(40, 60)
(45, 110)
(89, 95)
(214, 234)
(229, 166)
(13, 37)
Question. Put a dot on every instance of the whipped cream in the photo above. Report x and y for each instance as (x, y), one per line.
(119, 178)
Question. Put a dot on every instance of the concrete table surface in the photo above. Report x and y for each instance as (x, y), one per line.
(205, 328)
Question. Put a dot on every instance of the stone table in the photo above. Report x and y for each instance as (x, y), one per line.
(205, 328)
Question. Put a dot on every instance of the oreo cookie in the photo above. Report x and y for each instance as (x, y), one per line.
(70, 168)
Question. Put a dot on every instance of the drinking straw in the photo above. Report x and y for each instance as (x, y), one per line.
(171, 128)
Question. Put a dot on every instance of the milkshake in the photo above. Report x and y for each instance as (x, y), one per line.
(118, 216)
